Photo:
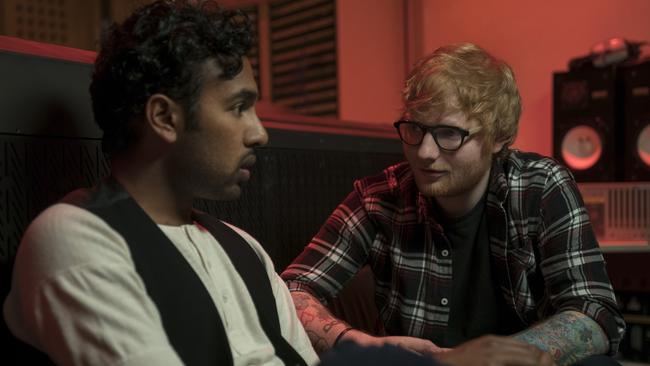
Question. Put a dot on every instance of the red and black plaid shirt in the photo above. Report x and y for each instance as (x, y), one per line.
(544, 253)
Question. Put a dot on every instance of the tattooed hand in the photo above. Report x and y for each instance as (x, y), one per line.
(569, 336)
(495, 351)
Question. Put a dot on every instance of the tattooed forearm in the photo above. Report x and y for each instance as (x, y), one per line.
(321, 326)
(569, 337)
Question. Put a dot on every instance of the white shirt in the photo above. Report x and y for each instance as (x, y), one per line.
(77, 296)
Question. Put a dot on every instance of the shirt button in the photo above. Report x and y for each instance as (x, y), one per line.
(445, 252)
(224, 298)
(444, 301)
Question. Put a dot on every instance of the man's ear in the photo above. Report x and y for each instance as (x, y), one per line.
(498, 146)
(164, 116)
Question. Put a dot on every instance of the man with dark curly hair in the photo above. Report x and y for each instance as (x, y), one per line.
(127, 272)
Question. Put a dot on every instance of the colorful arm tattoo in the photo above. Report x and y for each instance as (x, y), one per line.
(321, 326)
(568, 336)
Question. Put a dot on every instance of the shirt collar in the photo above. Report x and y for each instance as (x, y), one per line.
(498, 187)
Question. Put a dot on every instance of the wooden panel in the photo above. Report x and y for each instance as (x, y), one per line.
(303, 56)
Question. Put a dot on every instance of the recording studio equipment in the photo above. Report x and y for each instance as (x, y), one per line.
(636, 121)
(609, 52)
(586, 106)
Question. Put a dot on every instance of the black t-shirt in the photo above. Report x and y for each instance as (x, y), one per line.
(475, 305)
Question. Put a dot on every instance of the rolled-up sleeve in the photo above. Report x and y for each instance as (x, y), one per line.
(572, 262)
(336, 253)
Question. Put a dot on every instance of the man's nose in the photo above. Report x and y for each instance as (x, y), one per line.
(428, 148)
(257, 135)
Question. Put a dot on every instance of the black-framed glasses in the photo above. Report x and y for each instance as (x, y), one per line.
(448, 138)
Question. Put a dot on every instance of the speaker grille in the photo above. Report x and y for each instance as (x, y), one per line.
(581, 147)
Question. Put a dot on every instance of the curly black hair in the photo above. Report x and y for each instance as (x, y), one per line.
(161, 48)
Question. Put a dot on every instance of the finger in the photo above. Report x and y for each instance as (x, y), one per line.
(525, 350)
(519, 359)
(515, 353)
(406, 343)
(534, 356)
(425, 347)
(546, 359)
(513, 345)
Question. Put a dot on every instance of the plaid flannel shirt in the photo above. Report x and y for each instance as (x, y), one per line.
(544, 253)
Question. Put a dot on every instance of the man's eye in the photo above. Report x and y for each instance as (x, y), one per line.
(240, 108)
(448, 134)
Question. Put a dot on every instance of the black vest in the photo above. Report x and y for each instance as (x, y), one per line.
(189, 316)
